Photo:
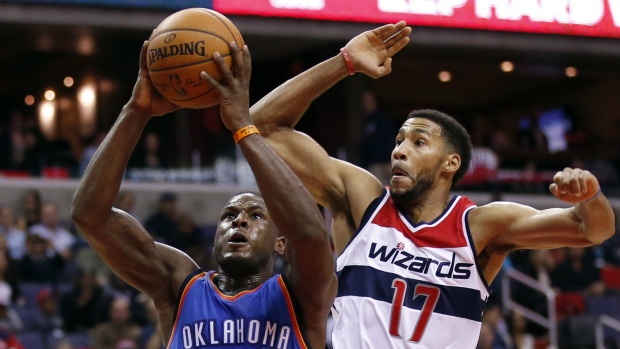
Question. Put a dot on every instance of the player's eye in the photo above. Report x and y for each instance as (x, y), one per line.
(257, 216)
(399, 141)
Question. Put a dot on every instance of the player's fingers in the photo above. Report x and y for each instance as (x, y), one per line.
(247, 58)
(384, 32)
(398, 36)
(392, 50)
(565, 187)
(553, 188)
(557, 180)
(387, 67)
(238, 59)
(143, 53)
(573, 176)
(221, 65)
(214, 84)
(583, 181)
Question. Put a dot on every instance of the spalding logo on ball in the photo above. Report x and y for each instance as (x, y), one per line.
(181, 47)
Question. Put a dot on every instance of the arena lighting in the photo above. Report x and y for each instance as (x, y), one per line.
(68, 81)
(50, 95)
(507, 66)
(571, 72)
(445, 76)
(29, 100)
(47, 116)
(87, 98)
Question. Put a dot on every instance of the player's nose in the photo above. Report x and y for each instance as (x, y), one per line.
(398, 154)
(241, 220)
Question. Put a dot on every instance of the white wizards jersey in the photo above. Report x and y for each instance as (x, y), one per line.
(403, 285)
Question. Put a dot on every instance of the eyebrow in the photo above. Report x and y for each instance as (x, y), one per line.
(236, 208)
(417, 129)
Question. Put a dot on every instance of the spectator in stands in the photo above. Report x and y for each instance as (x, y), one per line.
(578, 274)
(9, 340)
(65, 344)
(9, 275)
(493, 317)
(487, 337)
(62, 240)
(119, 332)
(118, 288)
(126, 201)
(9, 319)
(41, 263)
(15, 238)
(186, 235)
(49, 322)
(378, 138)
(81, 307)
(150, 337)
(31, 210)
(162, 224)
(150, 155)
(92, 143)
(520, 338)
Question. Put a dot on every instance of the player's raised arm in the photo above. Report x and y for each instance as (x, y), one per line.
(509, 226)
(289, 204)
(118, 238)
(343, 188)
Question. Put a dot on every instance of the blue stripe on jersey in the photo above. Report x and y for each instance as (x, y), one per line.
(364, 281)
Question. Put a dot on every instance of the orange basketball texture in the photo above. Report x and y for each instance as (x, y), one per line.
(181, 47)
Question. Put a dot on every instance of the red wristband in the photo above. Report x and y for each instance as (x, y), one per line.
(347, 61)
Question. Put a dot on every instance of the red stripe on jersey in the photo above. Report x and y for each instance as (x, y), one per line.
(447, 233)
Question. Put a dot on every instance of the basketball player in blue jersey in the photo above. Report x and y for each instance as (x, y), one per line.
(242, 305)
(414, 262)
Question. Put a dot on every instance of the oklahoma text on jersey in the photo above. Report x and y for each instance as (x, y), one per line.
(264, 317)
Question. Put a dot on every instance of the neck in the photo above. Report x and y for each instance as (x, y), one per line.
(427, 208)
(232, 285)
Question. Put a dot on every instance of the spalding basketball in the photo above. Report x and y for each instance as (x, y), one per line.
(181, 47)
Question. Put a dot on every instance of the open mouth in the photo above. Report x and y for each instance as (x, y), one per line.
(238, 238)
(396, 172)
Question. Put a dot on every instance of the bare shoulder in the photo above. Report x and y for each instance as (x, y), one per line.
(178, 264)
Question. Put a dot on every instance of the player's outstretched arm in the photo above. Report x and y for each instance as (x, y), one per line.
(341, 187)
(509, 226)
(118, 238)
(289, 204)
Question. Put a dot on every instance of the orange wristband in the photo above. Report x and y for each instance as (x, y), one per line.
(244, 132)
(347, 61)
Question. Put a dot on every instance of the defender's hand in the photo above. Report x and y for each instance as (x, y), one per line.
(145, 97)
(574, 185)
(371, 52)
(235, 95)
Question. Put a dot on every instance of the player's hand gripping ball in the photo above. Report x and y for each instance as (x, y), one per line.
(181, 47)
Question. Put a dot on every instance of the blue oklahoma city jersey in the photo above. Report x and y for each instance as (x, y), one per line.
(260, 318)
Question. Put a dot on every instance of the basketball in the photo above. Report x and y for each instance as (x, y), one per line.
(181, 47)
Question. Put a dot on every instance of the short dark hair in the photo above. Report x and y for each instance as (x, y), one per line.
(454, 134)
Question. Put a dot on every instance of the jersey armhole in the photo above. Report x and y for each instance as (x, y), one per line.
(296, 308)
(370, 210)
(473, 249)
(182, 290)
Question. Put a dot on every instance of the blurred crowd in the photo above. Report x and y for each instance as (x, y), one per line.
(55, 291)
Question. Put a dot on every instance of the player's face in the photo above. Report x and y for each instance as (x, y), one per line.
(416, 159)
(246, 238)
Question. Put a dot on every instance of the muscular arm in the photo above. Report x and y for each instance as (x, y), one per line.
(344, 189)
(119, 239)
(290, 205)
(498, 228)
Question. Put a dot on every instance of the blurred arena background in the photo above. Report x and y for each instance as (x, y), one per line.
(536, 83)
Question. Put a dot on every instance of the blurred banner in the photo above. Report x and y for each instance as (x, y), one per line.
(600, 18)
(154, 4)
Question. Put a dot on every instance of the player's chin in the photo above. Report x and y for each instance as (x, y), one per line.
(400, 184)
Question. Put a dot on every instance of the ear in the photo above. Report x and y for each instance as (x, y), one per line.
(452, 163)
(280, 245)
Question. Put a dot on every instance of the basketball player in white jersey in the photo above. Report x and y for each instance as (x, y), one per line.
(415, 262)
